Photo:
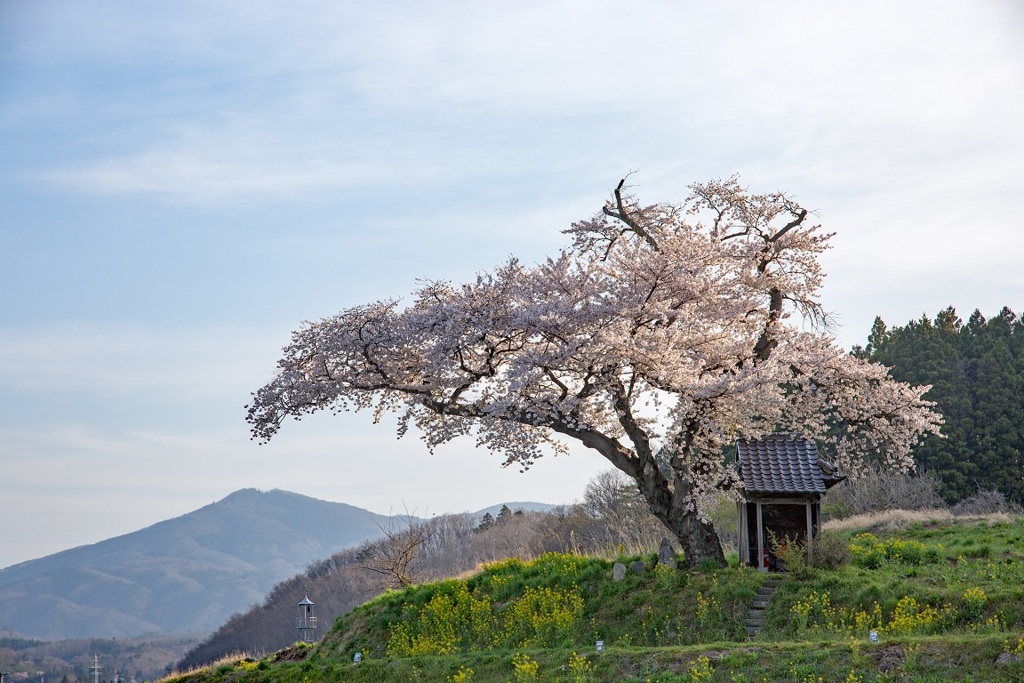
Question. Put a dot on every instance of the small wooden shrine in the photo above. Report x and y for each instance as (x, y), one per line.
(783, 481)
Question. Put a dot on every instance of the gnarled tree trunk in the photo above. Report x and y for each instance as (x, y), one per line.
(698, 539)
(672, 505)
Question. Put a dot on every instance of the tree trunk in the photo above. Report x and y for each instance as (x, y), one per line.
(698, 539)
(669, 504)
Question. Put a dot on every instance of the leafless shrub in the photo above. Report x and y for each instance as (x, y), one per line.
(726, 522)
(394, 556)
(518, 535)
(830, 550)
(985, 503)
(446, 545)
(792, 553)
(621, 518)
(879, 489)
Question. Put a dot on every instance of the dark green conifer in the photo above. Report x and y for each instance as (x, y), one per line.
(976, 371)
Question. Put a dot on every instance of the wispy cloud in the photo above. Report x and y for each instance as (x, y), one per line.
(420, 95)
(122, 359)
(197, 175)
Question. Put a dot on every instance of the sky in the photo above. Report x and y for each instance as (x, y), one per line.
(181, 184)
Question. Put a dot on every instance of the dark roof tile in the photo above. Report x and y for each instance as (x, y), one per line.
(783, 463)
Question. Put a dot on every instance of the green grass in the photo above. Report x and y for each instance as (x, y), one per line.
(946, 598)
(923, 580)
(958, 657)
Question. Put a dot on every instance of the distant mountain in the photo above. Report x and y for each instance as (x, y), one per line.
(183, 575)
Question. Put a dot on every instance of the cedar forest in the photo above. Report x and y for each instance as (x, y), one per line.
(976, 371)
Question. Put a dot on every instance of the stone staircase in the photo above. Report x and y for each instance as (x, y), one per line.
(755, 618)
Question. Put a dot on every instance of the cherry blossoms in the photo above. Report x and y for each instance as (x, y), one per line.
(659, 335)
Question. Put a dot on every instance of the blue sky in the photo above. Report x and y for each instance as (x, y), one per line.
(182, 183)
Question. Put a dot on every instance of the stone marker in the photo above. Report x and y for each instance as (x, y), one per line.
(666, 555)
(618, 571)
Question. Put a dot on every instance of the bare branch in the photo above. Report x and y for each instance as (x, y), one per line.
(394, 556)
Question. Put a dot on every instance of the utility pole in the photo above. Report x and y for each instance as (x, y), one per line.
(95, 669)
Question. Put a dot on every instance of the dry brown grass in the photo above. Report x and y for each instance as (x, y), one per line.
(231, 659)
(897, 520)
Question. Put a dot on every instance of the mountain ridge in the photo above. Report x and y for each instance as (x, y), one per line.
(186, 574)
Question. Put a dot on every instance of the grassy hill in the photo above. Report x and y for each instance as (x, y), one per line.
(446, 546)
(945, 597)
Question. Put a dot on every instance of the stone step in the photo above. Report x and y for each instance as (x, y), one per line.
(755, 617)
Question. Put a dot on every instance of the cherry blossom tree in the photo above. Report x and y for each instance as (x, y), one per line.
(661, 334)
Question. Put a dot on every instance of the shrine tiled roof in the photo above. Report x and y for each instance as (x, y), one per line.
(783, 463)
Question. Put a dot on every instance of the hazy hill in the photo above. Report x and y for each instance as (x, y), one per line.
(187, 574)
(527, 506)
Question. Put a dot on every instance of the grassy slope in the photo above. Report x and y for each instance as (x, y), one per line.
(946, 597)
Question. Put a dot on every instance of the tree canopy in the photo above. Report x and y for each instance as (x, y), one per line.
(660, 334)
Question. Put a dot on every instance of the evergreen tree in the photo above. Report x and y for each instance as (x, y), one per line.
(504, 514)
(997, 395)
(976, 371)
(486, 523)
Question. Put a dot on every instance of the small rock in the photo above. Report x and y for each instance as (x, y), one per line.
(666, 555)
(1007, 658)
(618, 571)
(637, 567)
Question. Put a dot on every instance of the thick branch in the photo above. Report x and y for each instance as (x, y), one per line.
(622, 213)
(799, 217)
(767, 342)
